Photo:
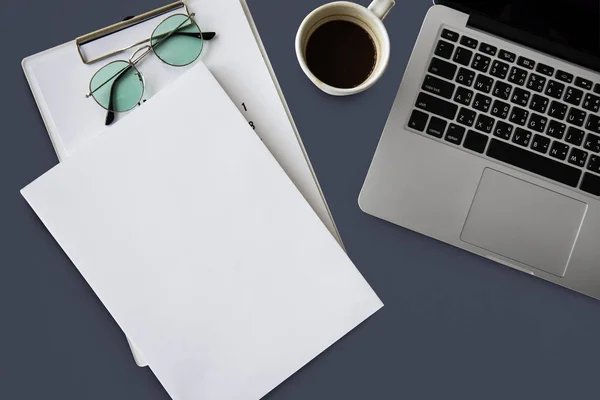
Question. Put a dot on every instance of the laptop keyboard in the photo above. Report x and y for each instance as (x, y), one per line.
(511, 109)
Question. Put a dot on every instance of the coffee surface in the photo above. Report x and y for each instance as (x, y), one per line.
(341, 54)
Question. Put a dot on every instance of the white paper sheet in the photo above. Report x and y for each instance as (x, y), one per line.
(201, 247)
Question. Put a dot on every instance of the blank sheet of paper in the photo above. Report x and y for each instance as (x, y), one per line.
(201, 247)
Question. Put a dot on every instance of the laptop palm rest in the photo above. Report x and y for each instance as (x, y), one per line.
(524, 222)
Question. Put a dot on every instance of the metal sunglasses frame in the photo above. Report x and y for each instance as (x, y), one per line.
(133, 61)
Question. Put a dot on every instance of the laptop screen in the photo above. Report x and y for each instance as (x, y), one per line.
(574, 23)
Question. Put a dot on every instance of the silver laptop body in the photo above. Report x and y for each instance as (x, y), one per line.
(529, 202)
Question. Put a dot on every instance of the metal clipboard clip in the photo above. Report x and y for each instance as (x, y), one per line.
(90, 37)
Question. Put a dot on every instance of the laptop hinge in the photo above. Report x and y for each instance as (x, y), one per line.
(494, 27)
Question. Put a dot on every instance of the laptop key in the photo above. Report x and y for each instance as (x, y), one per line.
(539, 103)
(483, 83)
(507, 56)
(591, 102)
(540, 144)
(597, 88)
(578, 157)
(556, 129)
(536, 82)
(591, 184)
(488, 49)
(592, 143)
(436, 106)
(442, 68)
(502, 90)
(475, 141)
(555, 89)
(465, 76)
(503, 130)
(481, 62)
(418, 120)
(499, 69)
(583, 83)
(518, 76)
(484, 123)
(522, 137)
(482, 103)
(520, 97)
(593, 123)
(436, 127)
(463, 56)
(444, 49)
(573, 96)
(537, 122)
(500, 109)
(526, 62)
(545, 69)
(574, 136)
(519, 116)
(559, 150)
(455, 134)
(469, 42)
(532, 162)
(450, 35)
(466, 116)
(576, 117)
(594, 164)
(557, 110)
(438, 86)
(463, 96)
(564, 76)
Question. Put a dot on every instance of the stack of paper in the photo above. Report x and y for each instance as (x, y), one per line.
(201, 247)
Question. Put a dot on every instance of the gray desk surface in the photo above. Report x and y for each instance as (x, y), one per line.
(454, 325)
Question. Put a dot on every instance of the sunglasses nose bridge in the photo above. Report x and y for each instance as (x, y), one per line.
(145, 49)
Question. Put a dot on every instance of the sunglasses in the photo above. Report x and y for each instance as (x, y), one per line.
(119, 86)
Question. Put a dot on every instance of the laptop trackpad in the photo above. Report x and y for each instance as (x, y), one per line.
(524, 222)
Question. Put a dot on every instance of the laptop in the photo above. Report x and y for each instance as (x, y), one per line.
(493, 141)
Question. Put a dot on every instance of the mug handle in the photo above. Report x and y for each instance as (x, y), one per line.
(381, 8)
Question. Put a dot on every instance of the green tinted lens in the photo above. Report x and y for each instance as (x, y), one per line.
(117, 87)
(177, 40)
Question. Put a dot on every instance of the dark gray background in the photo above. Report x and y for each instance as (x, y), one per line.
(454, 325)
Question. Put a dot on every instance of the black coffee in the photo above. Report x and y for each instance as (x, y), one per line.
(341, 54)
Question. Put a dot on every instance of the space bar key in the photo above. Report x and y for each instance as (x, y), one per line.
(533, 162)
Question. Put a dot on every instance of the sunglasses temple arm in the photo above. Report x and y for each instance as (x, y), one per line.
(203, 35)
(110, 115)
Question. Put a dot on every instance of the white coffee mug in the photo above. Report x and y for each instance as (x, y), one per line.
(370, 19)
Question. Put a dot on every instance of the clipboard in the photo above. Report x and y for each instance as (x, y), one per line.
(59, 78)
